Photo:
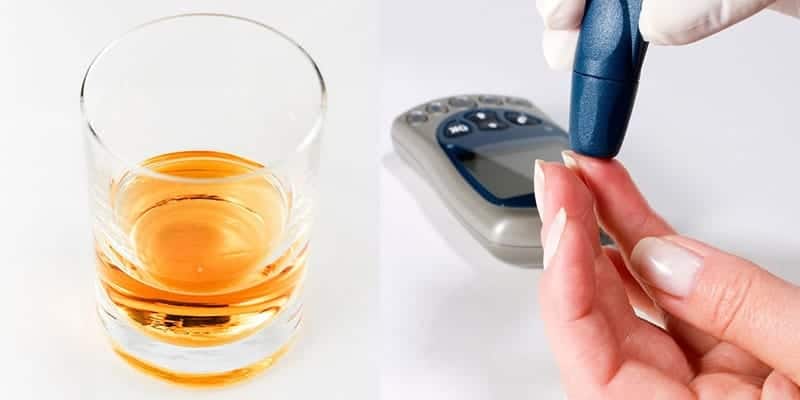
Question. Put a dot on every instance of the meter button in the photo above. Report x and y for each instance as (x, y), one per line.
(436, 108)
(456, 128)
(519, 102)
(492, 125)
(461, 102)
(416, 117)
(482, 116)
(493, 100)
(522, 119)
(487, 120)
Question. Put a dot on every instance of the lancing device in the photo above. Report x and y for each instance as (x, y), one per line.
(605, 77)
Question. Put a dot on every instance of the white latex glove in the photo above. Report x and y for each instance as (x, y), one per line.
(662, 22)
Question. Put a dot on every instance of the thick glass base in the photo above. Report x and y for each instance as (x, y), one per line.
(203, 380)
(200, 366)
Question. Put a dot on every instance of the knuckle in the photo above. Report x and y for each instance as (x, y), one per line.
(729, 299)
(641, 221)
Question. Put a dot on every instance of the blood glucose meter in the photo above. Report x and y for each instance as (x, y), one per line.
(478, 152)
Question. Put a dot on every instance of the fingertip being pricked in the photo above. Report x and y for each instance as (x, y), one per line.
(579, 162)
(569, 160)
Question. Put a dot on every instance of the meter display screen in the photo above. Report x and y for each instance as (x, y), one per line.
(506, 169)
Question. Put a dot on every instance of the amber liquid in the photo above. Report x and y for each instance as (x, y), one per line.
(204, 264)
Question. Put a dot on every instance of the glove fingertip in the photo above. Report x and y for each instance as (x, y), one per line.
(559, 48)
(648, 29)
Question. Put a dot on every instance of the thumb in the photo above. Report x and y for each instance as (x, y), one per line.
(675, 22)
(727, 297)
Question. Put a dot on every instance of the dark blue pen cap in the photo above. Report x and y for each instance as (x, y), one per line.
(605, 78)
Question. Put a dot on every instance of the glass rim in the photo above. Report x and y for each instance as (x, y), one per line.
(135, 167)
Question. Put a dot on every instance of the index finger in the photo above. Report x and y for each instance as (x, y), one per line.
(721, 295)
(621, 208)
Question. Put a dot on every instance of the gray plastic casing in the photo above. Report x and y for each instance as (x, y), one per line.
(510, 234)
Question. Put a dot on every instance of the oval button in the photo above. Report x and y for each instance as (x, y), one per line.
(416, 117)
(461, 102)
(492, 100)
(436, 108)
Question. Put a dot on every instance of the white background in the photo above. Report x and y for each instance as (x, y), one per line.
(713, 144)
(51, 345)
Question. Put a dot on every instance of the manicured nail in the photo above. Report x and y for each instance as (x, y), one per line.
(666, 265)
(554, 236)
(538, 186)
(569, 160)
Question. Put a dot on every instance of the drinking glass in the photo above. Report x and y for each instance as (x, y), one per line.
(202, 135)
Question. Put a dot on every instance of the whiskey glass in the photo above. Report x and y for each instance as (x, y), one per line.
(202, 135)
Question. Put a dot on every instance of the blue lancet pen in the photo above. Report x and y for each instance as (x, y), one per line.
(605, 77)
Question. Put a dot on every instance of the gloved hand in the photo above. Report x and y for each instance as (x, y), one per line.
(662, 22)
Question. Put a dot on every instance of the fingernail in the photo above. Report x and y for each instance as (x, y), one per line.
(569, 161)
(554, 236)
(538, 186)
(666, 265)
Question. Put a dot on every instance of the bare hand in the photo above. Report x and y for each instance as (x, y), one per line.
(732, 330)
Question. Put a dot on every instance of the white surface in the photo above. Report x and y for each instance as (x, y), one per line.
(712, 144)
(51, 345)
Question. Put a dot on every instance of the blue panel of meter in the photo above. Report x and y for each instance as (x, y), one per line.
(494, 150)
